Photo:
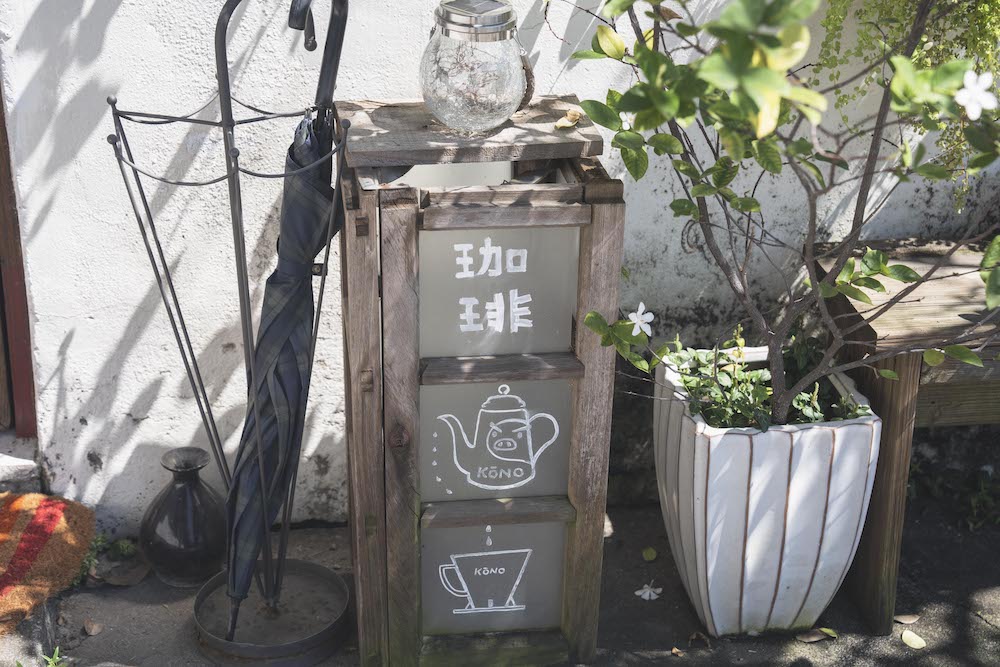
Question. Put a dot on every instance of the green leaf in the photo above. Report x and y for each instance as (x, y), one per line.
(783, 12)
(808, 97)
(635, 99)
(733, 142)
(814, 170)
(610, 42)
(596, 322)
(616, 7)
(650, 119)
(869, 283)
(935, 172)
(980, 139)
(993, 289)
(587, 54)
(742, 15)
(665, 143)
(852, 292)
(613, 99)
(665, 101)
(726, 110)
(963, 354)
(829, 632)
(948, 77)
(683, 207)
(687, 169)
(629, 139)
(991, 258)
(888, 374)
(636, 161)
(767, 155)
(602, 114)
(902, 273)
(703, 190)
(686, 29)
(832, 158)
(716, 70)
(724, 172)
(873, 262)
(933, 357)
(746, 204)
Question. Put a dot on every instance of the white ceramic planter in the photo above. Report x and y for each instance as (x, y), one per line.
(763, 526)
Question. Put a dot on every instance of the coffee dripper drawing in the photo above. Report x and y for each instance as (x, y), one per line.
(487, 580)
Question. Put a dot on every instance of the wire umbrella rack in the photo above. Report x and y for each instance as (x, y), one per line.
(270, 574)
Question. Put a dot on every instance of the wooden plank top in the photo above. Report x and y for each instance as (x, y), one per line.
(399, 133)
(497, 511)
(459, 370)
(941, 308)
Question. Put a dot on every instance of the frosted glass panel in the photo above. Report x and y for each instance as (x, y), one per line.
(492, 578)
(497, 291)
(497, 439)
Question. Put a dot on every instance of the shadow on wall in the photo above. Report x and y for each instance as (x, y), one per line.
(108, 464)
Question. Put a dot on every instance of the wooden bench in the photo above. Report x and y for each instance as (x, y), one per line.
(952, 393)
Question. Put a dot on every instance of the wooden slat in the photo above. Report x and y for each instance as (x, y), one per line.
(599, 275)
(958, 404)
(15, 296)
(506, 367)
(508, 649)
(404, 133)
(872, 580)
(401, 369)
(936, 310)
(359, 254)
(956, 372)
(480, 217)
(497, 511)
(503, 195)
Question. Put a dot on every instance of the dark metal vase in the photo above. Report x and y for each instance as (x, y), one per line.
(183, 533)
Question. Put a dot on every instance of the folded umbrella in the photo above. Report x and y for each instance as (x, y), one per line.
(262, 480)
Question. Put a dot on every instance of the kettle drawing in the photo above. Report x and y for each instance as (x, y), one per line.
(503, 454)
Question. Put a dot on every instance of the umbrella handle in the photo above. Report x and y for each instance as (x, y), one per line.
(300, 18)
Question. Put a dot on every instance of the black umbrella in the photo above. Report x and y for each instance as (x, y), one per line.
(268, 455)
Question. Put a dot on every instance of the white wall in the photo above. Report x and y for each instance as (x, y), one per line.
(112, 395)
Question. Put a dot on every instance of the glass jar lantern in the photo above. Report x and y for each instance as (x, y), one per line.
(472, 74)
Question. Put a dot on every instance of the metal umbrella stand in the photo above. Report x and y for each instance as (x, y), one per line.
(296, 610)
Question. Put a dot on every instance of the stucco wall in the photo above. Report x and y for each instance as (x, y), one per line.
(112, 395)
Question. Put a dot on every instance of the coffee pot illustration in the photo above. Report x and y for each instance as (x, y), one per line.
(504, 452)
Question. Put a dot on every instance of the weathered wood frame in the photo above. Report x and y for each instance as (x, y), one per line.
(950, 394)
(379, 249)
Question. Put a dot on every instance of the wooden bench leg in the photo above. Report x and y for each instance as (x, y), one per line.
(872, 580)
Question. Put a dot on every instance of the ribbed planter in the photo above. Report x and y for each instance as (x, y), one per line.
(763, 526)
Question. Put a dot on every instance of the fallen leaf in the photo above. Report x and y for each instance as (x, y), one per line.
(814, 635)
(61, 620)
(698, 636)
(571, 118)
(128, 573)
(666, 13)
(906, 619)
(649, 554)
(912, 639)
(676, 651)
(92, 627)
(829, 632)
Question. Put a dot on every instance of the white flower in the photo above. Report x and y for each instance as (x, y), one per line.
(641, 319)
(977, 94)
(647, 592)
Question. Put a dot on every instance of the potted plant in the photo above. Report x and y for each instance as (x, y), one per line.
(765, 456)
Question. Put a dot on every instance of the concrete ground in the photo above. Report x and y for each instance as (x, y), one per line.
(949, 576)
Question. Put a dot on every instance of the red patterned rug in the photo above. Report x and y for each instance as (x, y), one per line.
(43, 540)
